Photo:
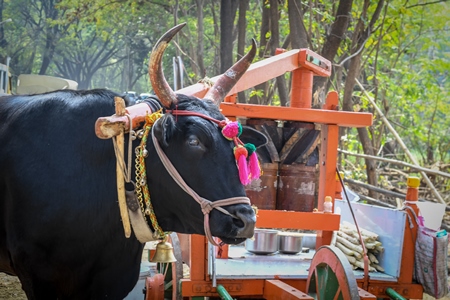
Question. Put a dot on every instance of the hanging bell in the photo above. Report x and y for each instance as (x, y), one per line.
(163, 253)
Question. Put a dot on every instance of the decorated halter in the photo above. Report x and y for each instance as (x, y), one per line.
(143, 193)
(248, 170)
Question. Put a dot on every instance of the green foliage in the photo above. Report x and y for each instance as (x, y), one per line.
(411, 68)
(405, 60)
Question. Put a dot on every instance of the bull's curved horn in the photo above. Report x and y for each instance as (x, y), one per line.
(155, 71)
(228, 79)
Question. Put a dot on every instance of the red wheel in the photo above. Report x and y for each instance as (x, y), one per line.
(177, 268)
(154, 287)
(331, 276)
(168, 287)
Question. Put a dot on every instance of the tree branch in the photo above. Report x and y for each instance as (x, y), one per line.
(397, 162)
(426, 3)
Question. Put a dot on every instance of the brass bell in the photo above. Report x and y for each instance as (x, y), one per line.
(163, 253)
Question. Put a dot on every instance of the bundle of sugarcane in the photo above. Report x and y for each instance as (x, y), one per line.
(348, 241)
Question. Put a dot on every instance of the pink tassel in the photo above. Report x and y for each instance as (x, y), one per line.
(253, 166)
(243, 170)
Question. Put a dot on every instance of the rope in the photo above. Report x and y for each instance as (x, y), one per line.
(141, 187)
(206, 205)
(125, 167)
(366, 258)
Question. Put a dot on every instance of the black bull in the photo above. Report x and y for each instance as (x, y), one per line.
(60, 227)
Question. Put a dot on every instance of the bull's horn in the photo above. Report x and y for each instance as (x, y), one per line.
(228, 79)
(155, 71)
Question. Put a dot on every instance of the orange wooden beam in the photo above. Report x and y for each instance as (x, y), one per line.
(407, 290)
(198, 257)
(327, 164)
(364, 295)
(257, 73)
(409, 240)
(341, 118)
(276, 289)
(268, 69)
(297, 220)
(312, 61)
(235, 287)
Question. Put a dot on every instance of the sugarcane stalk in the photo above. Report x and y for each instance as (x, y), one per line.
(345, 250)
(372, 258)
(378, 267)
(354, 247)
(348, 237)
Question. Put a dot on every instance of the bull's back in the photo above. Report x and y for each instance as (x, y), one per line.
(48, 146)
(59, 213)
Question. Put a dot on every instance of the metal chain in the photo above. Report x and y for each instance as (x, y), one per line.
(139, 153)
(142, 191)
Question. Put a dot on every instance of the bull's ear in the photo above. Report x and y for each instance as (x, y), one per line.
(250, 135)
(164, 128)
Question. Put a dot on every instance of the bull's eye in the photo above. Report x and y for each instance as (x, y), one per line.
(195, 149)
(194, 142)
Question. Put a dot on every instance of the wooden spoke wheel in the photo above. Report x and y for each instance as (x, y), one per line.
(331, 276)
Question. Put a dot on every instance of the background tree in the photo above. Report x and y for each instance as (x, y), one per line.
(227, 15)
(397, 49)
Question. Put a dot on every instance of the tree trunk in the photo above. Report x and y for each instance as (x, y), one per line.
(298, 35)
(260, 96)
(274, 44)
(242, 28)
(200, 45)
(359, 37)
(3, 42)
(331, 45)
(227, 14)
(51, 35)
(216, 67)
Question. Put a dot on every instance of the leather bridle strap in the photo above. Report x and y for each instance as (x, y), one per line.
(220, 123)
(206, 205)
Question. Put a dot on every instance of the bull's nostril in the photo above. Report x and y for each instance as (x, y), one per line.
(238, 223)
(245, 224)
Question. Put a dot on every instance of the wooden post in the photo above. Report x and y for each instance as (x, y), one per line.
(327, 165)
(120, 139)
(301, 93)
(409, 240)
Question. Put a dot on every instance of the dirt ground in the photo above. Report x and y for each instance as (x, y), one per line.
(11, 289)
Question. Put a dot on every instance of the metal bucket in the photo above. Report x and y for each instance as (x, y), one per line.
(290, 242)
(296, 188)
(263, 191)
(264, 241)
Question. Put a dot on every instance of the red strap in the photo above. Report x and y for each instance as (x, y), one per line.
(220, 123)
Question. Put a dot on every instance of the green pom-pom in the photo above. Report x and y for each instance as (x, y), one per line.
(240, 128)
(250, 148)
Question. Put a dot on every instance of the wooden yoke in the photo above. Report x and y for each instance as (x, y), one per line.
(120, 147)
(108, 127)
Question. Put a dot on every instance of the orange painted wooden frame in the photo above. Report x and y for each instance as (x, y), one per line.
(341, 118)
(297, 220)
(304, 65)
